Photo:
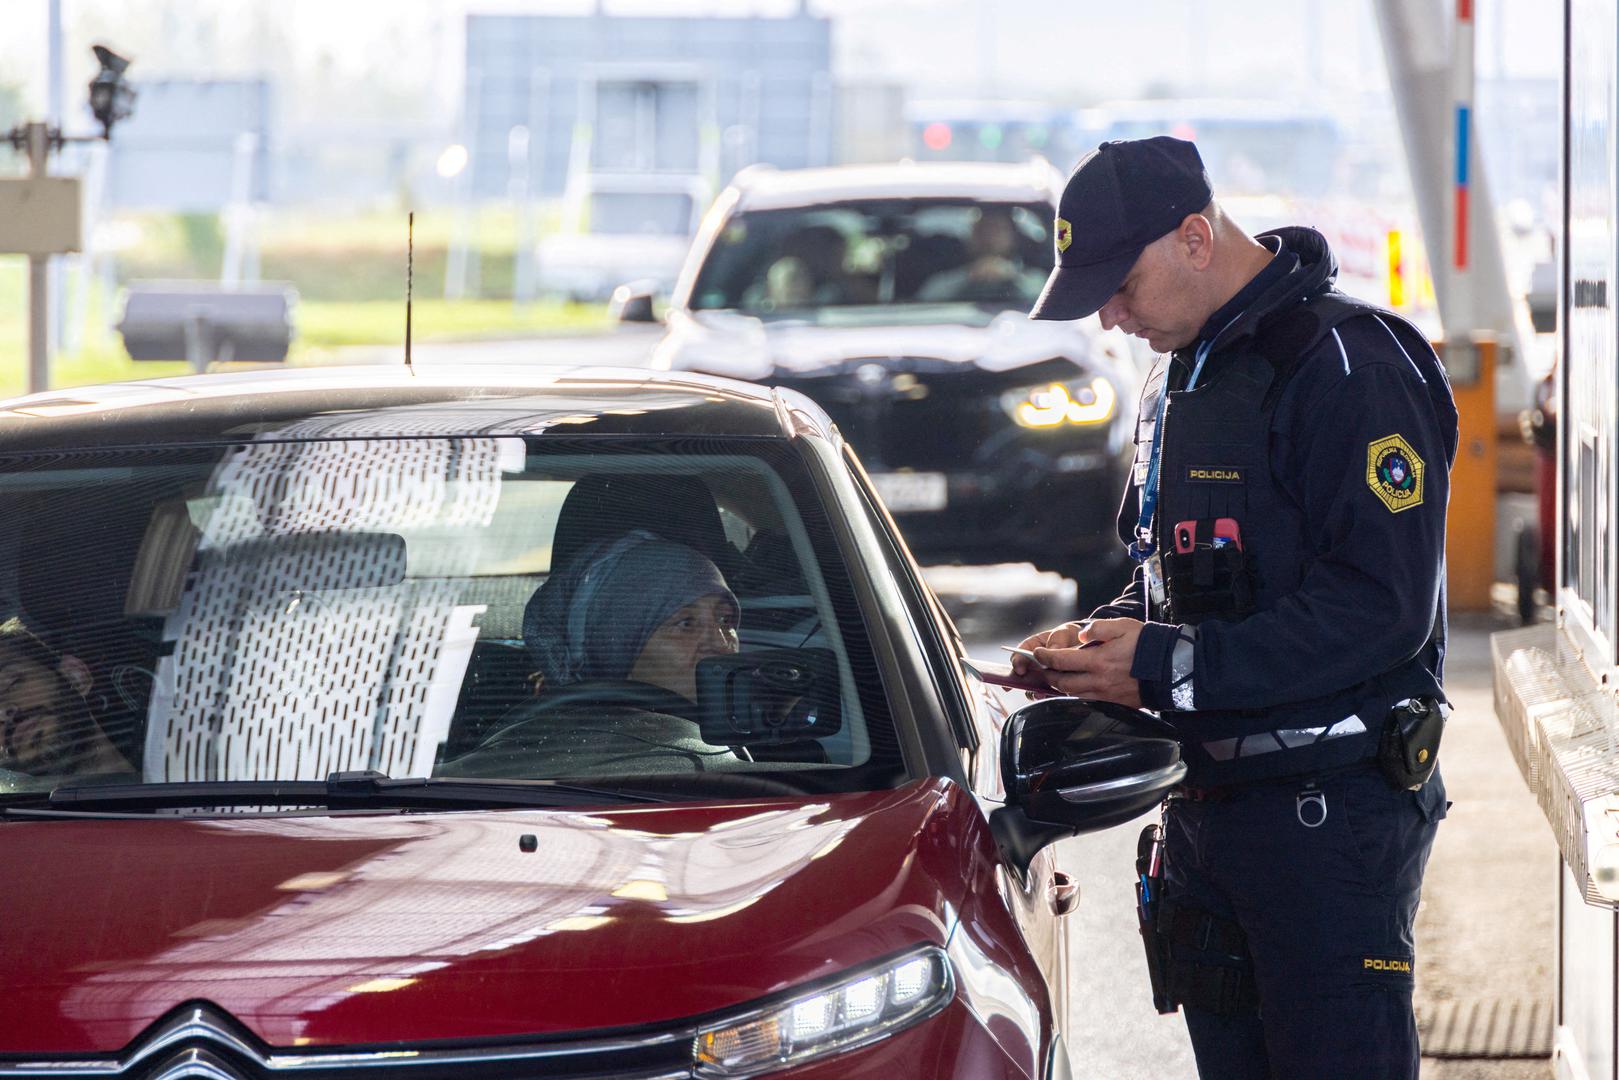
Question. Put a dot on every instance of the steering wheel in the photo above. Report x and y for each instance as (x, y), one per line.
(718, 782)
(599, 692)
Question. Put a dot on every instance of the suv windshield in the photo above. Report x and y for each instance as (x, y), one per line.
(828, 262)
(471, 608)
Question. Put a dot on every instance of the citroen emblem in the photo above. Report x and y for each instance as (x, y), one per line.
(195, 1064)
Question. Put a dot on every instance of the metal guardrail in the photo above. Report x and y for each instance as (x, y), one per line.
(1562, 725)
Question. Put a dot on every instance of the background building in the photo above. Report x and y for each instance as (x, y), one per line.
(617, 94)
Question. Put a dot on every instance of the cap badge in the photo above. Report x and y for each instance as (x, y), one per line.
(1065, 235)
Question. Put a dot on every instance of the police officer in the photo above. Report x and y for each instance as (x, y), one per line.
(1287, 515)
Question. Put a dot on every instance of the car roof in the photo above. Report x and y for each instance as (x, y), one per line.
(463, 399)
(764, 188)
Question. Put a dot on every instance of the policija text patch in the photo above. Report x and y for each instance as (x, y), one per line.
(1385, 965)
(1394, 473)
(1213, 474)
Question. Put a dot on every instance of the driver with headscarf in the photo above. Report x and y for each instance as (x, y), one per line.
(617, 634)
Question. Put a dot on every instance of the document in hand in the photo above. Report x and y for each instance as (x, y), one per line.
(1000, 673)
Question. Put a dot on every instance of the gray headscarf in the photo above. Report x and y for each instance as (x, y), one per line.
(592, 617)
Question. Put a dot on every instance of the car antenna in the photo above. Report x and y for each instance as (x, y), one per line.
(410, 265)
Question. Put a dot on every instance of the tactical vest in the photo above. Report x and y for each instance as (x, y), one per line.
(1231, 542)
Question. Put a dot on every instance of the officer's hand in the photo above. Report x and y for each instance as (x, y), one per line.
(1098, 666)
(1065, 636)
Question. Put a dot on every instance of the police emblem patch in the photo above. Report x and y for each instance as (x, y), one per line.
(1394, 473)
(1065, 235)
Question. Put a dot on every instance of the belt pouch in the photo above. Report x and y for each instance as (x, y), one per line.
(1409, 747)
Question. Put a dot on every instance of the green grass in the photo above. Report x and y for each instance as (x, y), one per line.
(328, 324)
(349, 271)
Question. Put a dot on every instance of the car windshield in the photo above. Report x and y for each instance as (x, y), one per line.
(947, 260)
(606, 611)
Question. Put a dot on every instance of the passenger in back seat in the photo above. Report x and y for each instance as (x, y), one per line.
(46, 726)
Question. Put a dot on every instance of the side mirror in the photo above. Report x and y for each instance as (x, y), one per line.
(1071, 766)
(632, 303)
(768, 697)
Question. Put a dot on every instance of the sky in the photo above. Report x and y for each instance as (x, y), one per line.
(1073, 51)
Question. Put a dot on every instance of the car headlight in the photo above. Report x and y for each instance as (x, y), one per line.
(1054, 404)
(864, 1007)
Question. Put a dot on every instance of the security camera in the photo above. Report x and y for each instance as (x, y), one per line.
(111, 97)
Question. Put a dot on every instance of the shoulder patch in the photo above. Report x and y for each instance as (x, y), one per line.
(1394, 472)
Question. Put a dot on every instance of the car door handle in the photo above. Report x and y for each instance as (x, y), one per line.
(1063, 892)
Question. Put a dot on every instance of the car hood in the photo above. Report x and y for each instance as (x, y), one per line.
(745, 347)
(332, 930)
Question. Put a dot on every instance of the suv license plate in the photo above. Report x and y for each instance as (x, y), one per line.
(906, 493)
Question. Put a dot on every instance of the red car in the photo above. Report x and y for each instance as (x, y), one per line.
(516, 723)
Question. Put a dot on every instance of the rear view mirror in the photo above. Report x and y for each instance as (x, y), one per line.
(768, 696)
(1071, 766)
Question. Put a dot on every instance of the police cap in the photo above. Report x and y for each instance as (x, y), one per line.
(1121, 197)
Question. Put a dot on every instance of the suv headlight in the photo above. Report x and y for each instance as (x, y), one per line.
(1054, 404)
(862, 1008)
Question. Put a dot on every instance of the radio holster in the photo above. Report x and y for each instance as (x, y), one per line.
(1409, 747)
(1194, 957)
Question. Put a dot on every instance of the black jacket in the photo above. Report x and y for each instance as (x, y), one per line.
(1367, 579)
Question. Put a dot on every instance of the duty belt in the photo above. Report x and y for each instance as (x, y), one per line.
(1268, 742)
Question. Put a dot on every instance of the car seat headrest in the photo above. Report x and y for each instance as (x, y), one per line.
(678, 508)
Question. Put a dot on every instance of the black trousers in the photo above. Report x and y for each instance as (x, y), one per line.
(1324, 880)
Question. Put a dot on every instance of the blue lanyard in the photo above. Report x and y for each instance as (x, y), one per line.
(1142, 547)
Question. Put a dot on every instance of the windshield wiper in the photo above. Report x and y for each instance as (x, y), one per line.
(339, 791)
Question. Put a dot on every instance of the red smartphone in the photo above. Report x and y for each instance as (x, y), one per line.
(1226, 533)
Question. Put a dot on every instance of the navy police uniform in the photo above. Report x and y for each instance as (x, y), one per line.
(1294, 466)
(1324, 429)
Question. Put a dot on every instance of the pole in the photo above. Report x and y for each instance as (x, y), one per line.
(39, 299)
(53, 65)
(56, 276)
(1461, 70)
(525, 279)
(517, 185)
(461, 236)
(1418, 47)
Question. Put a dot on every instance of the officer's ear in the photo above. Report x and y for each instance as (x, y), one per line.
(1195, 238)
